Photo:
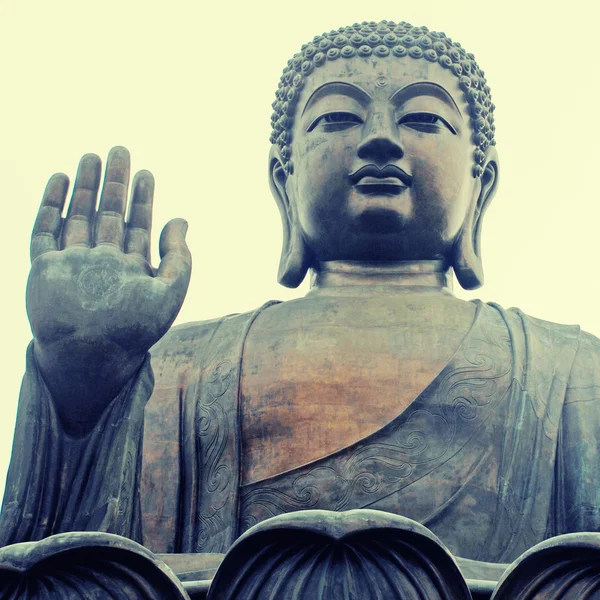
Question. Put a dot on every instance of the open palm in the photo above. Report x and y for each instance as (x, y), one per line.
(94, 301)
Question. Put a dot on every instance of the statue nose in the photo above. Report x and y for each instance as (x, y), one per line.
(380, 148)
(380, 143)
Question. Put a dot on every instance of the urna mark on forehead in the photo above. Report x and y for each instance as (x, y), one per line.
(381, 40)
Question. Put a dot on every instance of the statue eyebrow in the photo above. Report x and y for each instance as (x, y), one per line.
(338, 87)
(425, 88)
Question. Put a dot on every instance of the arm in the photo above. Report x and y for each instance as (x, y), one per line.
(96, 306)
(577, 506)
(57, 482)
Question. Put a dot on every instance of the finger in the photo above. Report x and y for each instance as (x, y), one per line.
(46, 229)
(139, 220)
(110, 220)
(176, 262)
(77, 229)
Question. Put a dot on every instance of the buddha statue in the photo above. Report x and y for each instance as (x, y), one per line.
(378, 389)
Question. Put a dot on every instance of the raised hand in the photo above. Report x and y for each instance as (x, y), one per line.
(94, 301)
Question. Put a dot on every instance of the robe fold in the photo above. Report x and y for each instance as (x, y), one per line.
(499, 452)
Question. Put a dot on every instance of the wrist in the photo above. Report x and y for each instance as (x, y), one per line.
(83, 379)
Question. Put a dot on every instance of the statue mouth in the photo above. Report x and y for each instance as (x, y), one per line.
(390, 180)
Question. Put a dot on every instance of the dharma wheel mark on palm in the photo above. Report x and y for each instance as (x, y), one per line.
(98, 283)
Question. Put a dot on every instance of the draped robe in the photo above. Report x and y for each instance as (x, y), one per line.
(497, 453)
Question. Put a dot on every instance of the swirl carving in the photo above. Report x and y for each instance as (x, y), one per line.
(214, 432)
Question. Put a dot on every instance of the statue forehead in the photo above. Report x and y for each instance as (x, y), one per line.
(381, 76)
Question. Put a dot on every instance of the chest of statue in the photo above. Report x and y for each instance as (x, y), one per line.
(323, 372)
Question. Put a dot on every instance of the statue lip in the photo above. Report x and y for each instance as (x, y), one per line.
(371, 179)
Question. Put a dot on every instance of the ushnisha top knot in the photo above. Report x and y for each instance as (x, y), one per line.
(385, 38)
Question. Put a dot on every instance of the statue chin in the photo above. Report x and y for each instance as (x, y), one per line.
(381, 221)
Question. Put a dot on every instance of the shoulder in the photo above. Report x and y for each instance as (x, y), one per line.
(173, 355)
(182, 344)
(182, 340)
(554, 341)
(585, 344)
(181, 336)
(543, 351)
(549, 330)
(552, 336)
(586, 366)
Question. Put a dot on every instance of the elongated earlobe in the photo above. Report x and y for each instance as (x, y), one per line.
(466, 259)
(295, 254)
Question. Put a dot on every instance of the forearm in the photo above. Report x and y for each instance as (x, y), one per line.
(83, 378)
(57, 482)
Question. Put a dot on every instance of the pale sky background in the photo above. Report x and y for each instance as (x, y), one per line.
(187, 87)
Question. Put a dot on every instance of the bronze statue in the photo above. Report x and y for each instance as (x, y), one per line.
(379, 389)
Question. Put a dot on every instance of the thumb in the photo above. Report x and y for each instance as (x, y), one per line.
(176, 261)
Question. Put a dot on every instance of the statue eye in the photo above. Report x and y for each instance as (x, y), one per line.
(340, 117)
(336, 121)
(426, 122)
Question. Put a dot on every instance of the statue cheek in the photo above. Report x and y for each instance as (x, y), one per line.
(439, 175)
(309, 155)
(459, 191)
(455, 204)
(439, 197)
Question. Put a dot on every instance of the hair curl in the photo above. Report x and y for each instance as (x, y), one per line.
(384, 39)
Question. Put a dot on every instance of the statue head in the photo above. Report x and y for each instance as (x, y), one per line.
(383, 150)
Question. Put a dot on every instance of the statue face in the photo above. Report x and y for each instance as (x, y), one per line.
(383, 160)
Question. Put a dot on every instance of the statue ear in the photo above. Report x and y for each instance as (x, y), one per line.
(295, 255)
(467, 261)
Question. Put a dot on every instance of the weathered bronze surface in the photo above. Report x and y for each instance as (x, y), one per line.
(377, 390)
(566, 567)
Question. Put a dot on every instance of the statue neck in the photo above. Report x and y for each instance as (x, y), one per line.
(357, 278)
